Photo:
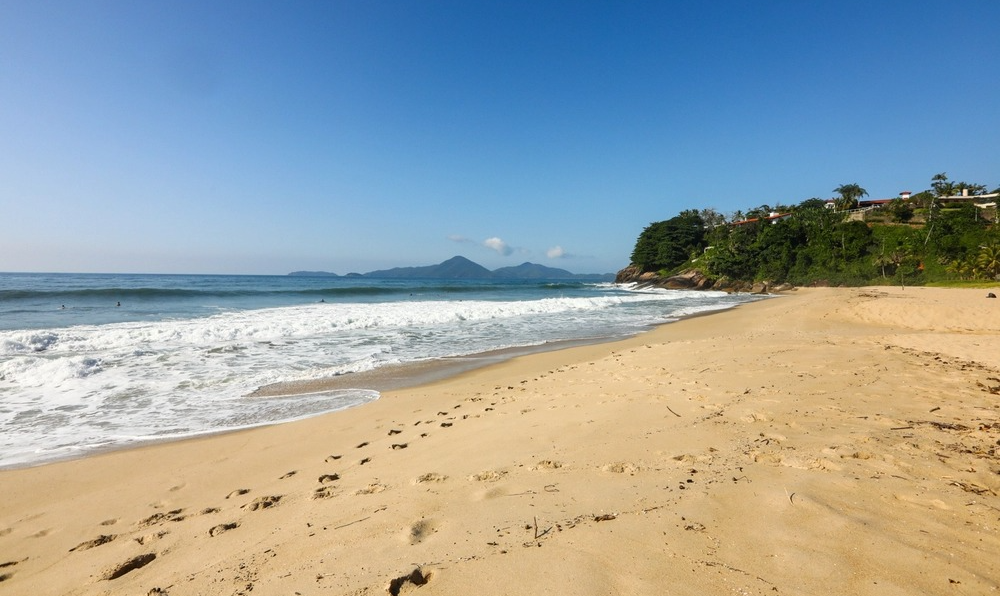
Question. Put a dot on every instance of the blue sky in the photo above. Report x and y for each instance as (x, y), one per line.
(266, 137)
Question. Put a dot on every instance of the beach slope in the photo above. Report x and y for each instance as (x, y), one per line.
(833, 441)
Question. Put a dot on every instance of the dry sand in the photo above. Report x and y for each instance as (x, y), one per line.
(835, 441)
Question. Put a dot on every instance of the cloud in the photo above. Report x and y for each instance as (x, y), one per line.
(556, 252)
(459, 238)
(498, 245)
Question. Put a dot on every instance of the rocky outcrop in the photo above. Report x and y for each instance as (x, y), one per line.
(633, 274)
(692, 279)
(688, 280)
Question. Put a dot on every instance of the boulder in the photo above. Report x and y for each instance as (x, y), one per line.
(630, 274)
(692, 279)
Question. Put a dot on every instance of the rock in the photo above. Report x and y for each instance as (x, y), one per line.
(693, 279)
(684, 281)
(628, 275)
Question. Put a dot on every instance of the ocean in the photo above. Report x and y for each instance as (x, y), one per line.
(96, 361)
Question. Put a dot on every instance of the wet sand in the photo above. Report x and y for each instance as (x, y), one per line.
(832, 441)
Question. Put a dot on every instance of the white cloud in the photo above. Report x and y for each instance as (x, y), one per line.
(498, 245)
(459, 238)
(556, 252)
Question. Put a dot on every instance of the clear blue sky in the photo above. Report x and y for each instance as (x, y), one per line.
(271, 136)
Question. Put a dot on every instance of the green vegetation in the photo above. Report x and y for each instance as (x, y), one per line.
(921, 240)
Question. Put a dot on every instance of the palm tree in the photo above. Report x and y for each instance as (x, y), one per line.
(849, 195)
(989, 260)
(964, 268)
(942, 187)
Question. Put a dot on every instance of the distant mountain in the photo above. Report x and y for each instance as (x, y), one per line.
(453, 268)
(313, 274)
(462, 268)
(531, 271)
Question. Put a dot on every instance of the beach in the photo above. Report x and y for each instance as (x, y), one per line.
(830, 441)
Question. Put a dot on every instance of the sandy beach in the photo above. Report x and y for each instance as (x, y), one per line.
(831, 441)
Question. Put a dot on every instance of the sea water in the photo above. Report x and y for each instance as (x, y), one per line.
(93, 361)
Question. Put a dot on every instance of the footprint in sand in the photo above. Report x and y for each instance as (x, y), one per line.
(238, 492)
(371, 489)
(262, 503)
(109, 522)
(132, 564)
(331, 458)
(399, 446)
(4, 576)
(364, 461)
(548, 464)
(394, 431)
(102, 539)
(488, 476)
(365, 444)
(143, 540)
(623, 467)
(328, 478)
(405, 583)
(289, 474)
(324, 492)
(158, 518)
(429, 477)
(219, 529)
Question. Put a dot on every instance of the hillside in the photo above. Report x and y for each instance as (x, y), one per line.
(947, 233)
(459, 267)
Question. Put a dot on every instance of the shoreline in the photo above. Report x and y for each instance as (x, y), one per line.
(411, 375)
(381, 380)
(839, 440)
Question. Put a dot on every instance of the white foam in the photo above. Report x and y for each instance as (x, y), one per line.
(90, 385)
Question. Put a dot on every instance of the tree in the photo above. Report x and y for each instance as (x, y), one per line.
(647, 246)
(942, 187)
(989, 260)
(946, 188)
(669, 244)
(900, 210)
(849, 196)
(712, 218)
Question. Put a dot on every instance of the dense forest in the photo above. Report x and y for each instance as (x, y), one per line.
(948, 232)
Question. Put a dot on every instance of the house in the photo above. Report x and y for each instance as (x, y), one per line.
(774, 217)
(965, 197)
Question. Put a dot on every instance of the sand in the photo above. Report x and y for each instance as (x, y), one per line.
(833, 441)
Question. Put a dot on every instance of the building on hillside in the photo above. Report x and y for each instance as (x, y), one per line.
(774, 217)
(965, 197)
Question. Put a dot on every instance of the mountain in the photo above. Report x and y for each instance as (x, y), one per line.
(532, 271)
(313, 274)
(462, 268)
(453, 268)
